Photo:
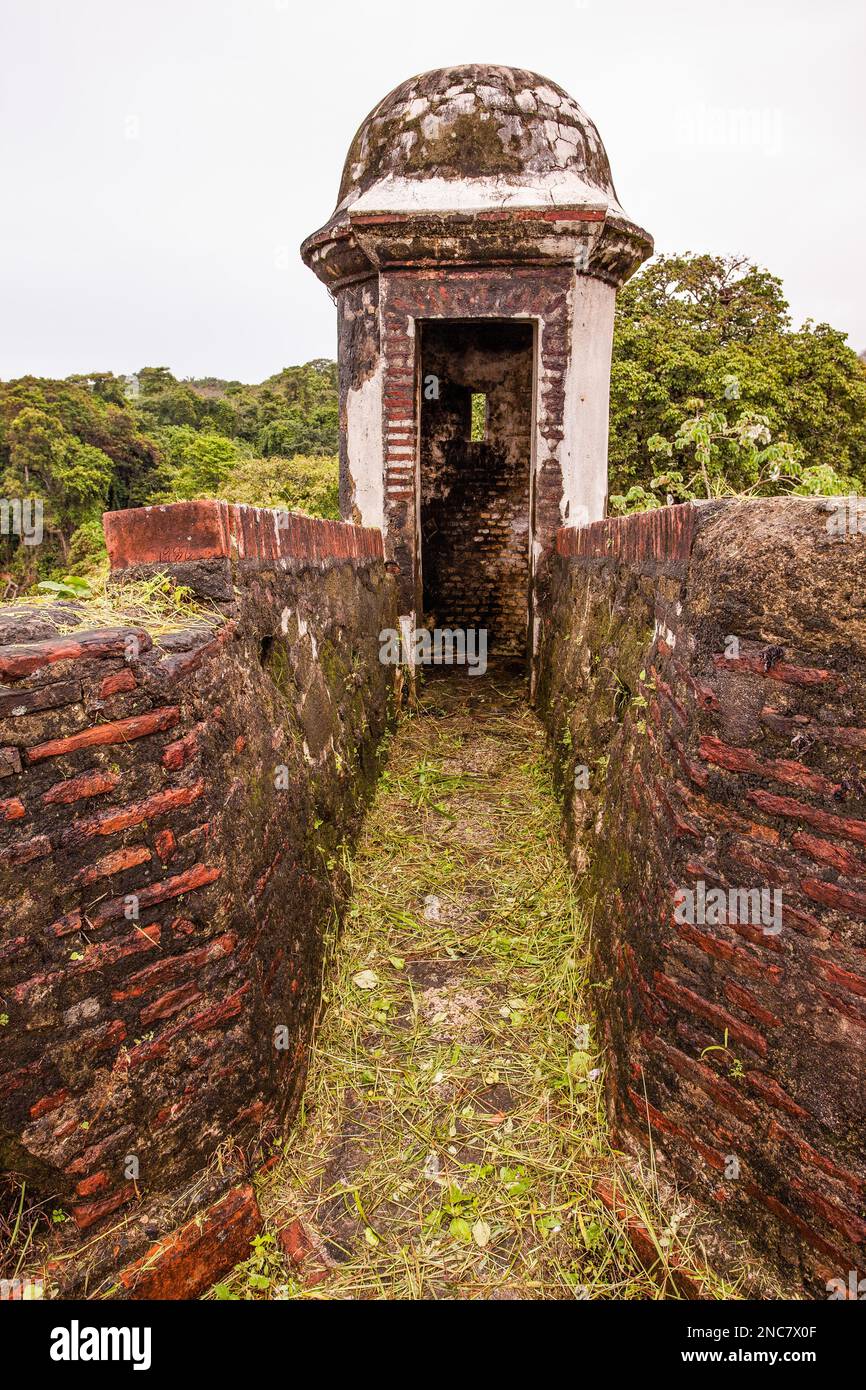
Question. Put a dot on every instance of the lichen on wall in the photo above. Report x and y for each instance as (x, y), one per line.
(702, 677)
(176, 811)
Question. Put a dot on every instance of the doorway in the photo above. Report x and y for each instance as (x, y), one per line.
(475, 454)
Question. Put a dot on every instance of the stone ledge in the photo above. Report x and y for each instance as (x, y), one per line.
(211, 530)
(658, 540)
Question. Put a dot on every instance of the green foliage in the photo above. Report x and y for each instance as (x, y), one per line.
(704, 358)
(712, 392)
(726, 456)
(301, 484)
(70, 586)
(197, 463)
(90, 444)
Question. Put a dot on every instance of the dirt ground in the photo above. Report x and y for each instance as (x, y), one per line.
(453, 1127)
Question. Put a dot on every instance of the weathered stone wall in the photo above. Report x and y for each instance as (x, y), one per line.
(475, 493)
(739, 1051)
(174, 805)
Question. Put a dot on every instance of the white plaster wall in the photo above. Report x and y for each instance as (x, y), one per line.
(365, 449)
(583, 455)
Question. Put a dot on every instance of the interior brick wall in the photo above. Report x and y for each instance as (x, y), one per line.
(475, 493)
(541, 293)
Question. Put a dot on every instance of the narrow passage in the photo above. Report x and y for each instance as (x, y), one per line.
(453, 1122)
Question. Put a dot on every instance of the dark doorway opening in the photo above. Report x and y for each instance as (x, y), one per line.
(475, 453)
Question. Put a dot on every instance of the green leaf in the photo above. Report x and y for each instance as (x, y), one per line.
(461, 1230)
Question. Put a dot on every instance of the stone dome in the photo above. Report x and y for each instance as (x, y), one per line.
(470, 142)
(477, 124)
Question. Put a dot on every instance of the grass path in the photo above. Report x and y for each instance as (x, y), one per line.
(453, 1122)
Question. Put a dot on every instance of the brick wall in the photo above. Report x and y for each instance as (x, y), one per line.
(732, 764)
(536, 292)
(172, 805)
(475, 493)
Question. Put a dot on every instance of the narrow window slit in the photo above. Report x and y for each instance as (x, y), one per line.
(478, 431)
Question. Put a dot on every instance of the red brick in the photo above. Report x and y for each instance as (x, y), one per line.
(671, 1268)
(736, 956)
(294, 1242)
(95, 1183)
(836, 975)
(736, 759)
(98, 957)
(215, 530)
(770, 1091)
(848, 1008)
(25, 851)
(815, 1159)
(86, 1214)
(94, 783)
(783, 1213)
(174, 967)
(176, 755)
(19, 661)
(704, 1077)
(834, 896)
(781, 671)
(837, 856)
(186, 1263)
(649, 1113)
(114, 863)
(745, 1000)
(228, 1008)
(804, 922)
(693, 1003)
(111, 822)
(109, 1036)
(165, 844)
(120, 731)
(664, 534)
(114, 908)
(785, 806)
(96, 1154)
(849, 1225)
(835, 735)
(170, 1003)
(114, 684)
(49, 1103)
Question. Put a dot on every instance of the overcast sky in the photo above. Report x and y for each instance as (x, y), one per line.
(161, 161)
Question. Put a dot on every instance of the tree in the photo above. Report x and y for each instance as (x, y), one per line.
(45, 461)
(687, 328)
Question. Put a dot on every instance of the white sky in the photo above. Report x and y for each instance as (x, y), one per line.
(161, 161)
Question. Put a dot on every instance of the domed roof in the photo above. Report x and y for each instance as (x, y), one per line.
(477, 122)
(465, 145)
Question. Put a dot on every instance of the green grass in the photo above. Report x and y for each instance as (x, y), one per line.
(453, 1122)
(157, 603)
